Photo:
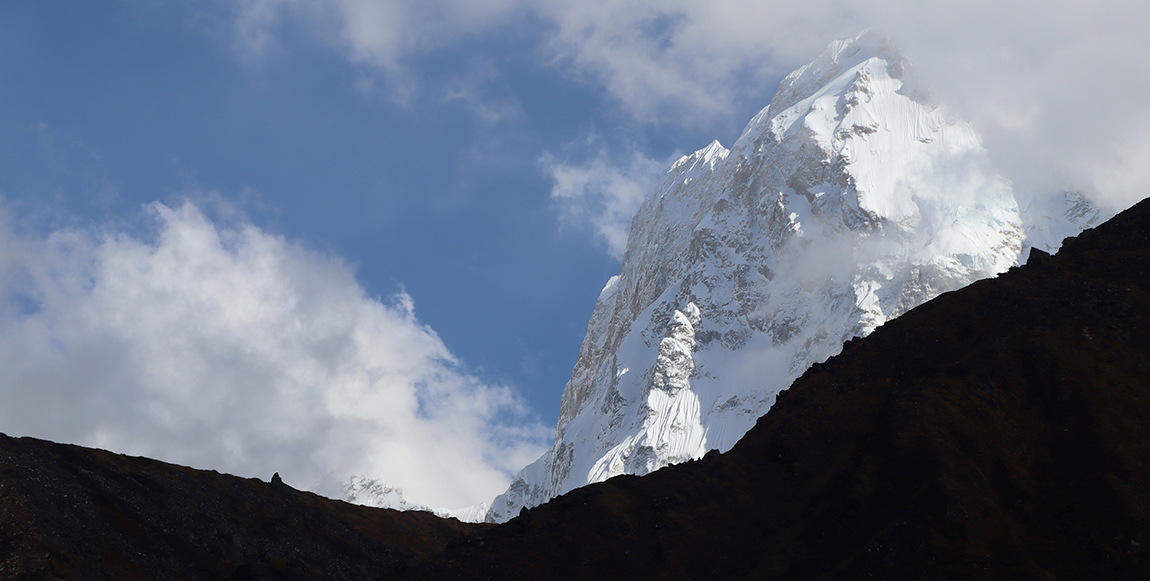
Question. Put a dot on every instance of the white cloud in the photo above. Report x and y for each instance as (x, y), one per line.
(255, 23)
(1056, 89)
(376, 32)
(684, 62)
(604, 193)
(225, 347)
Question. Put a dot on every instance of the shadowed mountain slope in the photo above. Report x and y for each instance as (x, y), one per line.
(68, 512)
(1001, 431)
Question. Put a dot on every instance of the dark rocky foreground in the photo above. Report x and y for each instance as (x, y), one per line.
(998, 432)
(68, 512)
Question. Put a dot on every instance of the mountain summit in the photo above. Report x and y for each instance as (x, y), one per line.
(996, 432)
(844, 203)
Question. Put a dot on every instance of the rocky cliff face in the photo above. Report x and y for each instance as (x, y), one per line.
(843, 204)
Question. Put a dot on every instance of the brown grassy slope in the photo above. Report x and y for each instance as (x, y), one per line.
(998, 432)
(68, 512)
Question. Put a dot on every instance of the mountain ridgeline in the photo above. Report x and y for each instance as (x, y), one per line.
(844, 203)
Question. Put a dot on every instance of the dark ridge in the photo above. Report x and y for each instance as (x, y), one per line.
(1001, 431)
(68, 512)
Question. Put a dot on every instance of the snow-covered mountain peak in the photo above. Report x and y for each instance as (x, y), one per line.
(379, 494)
(837, 63)
(843, 204)
(704, 159)
(900, 159)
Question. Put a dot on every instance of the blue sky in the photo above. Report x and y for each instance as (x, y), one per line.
(109, 107)
(167, 169)
(107, 112)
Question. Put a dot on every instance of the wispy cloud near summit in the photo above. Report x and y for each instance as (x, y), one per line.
(603, 193)
(1054, 89)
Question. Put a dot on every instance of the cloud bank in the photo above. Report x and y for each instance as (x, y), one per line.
(1056, 90)
(222, 346)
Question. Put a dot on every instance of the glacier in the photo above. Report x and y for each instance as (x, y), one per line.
(845, 202)
(366, 491)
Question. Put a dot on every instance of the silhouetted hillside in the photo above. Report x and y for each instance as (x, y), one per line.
(68, 512)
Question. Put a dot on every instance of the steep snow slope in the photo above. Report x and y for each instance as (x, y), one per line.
(843, 204)
(374, 493)
(1050, 220)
